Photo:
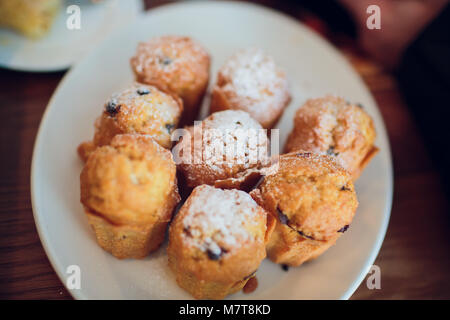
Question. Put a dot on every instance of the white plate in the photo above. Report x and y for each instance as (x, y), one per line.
(62, 47)
(314, 68)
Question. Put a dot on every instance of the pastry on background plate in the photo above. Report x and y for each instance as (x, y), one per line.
(33, 18)
(175, 64)
(313, 200)
(217, 242)
(251, 81)
(225, 150)
(129, 191)
(139, 109)
(335, 127)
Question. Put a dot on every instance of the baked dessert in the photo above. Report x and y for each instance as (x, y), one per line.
(313, 200)
(33, 18)
(251, 81)
(217, 242)
(129, 191)
(174, 64)
(332, 126)
(140, 108)
(225, 150)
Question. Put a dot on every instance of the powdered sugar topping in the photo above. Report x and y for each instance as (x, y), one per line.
(251, 81)
(145, 108)
(166, 55)
(220, 220)
(230, 138)
(253, 74)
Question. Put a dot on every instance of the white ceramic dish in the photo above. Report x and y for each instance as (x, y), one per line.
(62, 47)
(314, 68)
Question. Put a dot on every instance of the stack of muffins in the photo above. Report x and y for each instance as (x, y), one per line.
(236, 209)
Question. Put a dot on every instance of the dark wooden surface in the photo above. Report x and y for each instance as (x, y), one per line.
(414, 258)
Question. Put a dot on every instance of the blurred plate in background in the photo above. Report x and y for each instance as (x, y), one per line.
(61, 47)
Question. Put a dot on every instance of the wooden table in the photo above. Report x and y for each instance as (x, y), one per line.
(414, 258)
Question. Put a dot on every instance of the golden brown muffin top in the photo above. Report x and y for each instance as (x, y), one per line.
(144, 109)
(311, 194)
(251, 79)
(230, 142)
(332, 126)
(173, 61)
(128, 181)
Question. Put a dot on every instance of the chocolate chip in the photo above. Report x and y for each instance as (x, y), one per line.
(169, 127)
(142, 91)
(282, 217)
(304, 235)
(304, 154)
(112, 108)
(187, 231)
(238, 122)
(250, 275)
(344, 228)
(213, 255)
(250, 286)
(331, 151)
(285, 267)
(345, 188)
(166, 60)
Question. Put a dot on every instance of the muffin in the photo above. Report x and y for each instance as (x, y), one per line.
(217, 242)
(313, 200)
(332, 126)
(129, 191)
(174, 64)
(251, 81)
(139, 109)
(225, 150)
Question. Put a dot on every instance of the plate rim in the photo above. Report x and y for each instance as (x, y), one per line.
(52, 257)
